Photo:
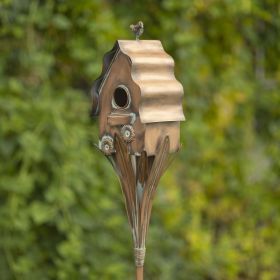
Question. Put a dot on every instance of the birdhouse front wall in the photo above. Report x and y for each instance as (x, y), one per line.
(114, 117)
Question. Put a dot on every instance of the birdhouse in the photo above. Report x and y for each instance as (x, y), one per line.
(138, 97)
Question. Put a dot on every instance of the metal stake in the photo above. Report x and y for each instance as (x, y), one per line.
(139, 273)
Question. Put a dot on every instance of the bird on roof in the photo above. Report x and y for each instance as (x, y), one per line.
(137, 29)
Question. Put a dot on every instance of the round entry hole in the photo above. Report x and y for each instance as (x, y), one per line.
(121, 97)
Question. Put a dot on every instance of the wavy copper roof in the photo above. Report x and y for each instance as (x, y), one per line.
(152, 69)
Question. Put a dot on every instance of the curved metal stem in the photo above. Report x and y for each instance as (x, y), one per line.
(139, 178)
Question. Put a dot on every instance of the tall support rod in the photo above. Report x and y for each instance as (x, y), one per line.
(139, 272)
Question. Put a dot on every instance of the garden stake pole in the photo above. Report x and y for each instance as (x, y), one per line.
(139, 273)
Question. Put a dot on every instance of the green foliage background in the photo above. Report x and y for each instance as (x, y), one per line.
(216, 214)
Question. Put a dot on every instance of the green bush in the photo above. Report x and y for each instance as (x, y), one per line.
(216, 213)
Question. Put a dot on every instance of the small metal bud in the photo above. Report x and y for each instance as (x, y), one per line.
(127, 133)
(106, 145)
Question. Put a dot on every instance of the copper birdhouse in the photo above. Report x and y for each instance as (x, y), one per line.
(139, 104)
(138, 97)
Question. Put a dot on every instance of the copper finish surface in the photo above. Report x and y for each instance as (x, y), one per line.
(139, 177)
(119, 119)
(146, 71)
(155, 132)
(140, 273)
(152, 70)
(139, 104)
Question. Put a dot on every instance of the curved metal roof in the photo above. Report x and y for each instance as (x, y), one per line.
(152, 69)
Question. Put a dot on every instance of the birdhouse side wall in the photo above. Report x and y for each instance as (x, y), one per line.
(156, 132)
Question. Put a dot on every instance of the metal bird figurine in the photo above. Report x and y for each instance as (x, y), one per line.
(137, 29)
